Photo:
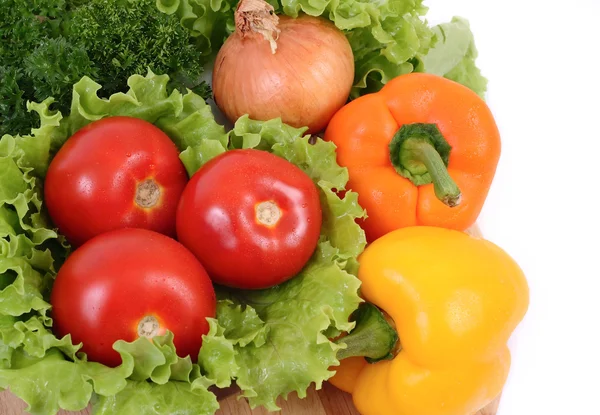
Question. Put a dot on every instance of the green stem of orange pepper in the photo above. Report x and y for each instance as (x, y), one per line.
(420, 153)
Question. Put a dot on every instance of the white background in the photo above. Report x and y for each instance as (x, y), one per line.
(542, 59)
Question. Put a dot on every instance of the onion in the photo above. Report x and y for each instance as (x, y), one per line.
(300, 69)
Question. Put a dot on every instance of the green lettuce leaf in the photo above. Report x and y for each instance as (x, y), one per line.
(50, 383)
(34, 336)
(390, 48)
(211, 21)
(187, 119)
(46, 373)
(157, 360)
(27, 238)
(453, 55)
(280, 335)
(296, 316)
(218, 355)
(145, 398)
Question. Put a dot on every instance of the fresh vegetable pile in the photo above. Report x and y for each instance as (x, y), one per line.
(150, 256)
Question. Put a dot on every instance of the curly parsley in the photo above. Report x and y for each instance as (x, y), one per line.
(48, 45)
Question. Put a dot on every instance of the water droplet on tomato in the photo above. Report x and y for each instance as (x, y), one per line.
(128, 154)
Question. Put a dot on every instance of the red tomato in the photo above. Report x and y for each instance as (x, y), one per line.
(252, 218)
(129, 283)
(114, 173)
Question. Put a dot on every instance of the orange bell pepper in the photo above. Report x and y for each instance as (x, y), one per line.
(422, 151)
(455, 300)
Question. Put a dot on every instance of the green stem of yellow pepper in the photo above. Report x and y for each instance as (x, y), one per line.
(373, 337)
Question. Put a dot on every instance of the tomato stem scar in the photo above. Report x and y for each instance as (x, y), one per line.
(267, 213)
(148, 327)
(147, 194)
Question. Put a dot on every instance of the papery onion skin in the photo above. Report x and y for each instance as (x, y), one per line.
(305, 82)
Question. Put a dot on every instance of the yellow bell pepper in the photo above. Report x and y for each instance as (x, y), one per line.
(455, 301)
